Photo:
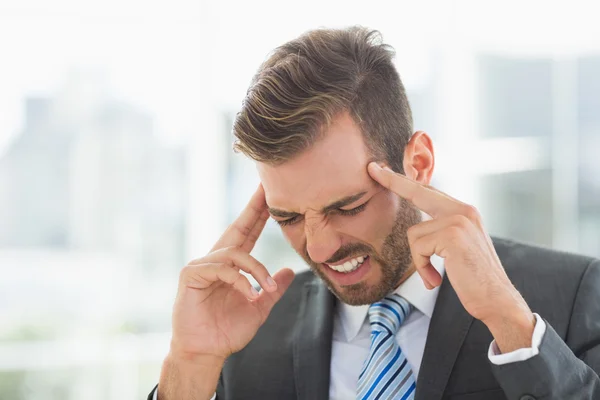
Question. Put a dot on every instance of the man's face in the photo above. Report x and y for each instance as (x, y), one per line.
(338, 218)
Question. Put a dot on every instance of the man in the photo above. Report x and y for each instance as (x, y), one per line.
(417, 308)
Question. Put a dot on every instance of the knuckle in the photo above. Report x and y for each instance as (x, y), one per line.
(260, 265)
(420, 247)
(454, 233)
(187, 270)
(415, 243)
(223, 267)
(471, 212)
(189, 274)
(461, 222)
(254, 264)
(241, 281)
(419, 261)
(253, 237)
(411, 233)
(244, 229)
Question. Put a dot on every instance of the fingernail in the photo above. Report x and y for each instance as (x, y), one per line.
(271, 282)
(254, 292)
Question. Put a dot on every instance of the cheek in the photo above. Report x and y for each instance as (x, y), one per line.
(375, 223)
(294, 235)
(390, 206)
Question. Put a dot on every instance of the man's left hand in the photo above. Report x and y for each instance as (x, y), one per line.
(456, 233)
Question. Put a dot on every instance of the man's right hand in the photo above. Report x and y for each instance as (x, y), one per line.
(217, 311)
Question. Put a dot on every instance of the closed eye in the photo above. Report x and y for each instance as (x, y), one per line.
(353, 211)
(289, 221)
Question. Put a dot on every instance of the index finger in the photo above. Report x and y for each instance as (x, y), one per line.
(253, 215)
(427, 199)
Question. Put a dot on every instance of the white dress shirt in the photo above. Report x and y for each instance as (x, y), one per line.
(352, 336)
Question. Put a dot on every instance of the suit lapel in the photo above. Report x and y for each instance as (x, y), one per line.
(312, 341)
(447, 331)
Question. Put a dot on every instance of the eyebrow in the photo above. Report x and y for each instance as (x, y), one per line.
(343, 202)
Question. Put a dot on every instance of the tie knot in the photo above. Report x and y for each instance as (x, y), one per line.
(389, 313)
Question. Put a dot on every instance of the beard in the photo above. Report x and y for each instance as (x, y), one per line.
(394, 260)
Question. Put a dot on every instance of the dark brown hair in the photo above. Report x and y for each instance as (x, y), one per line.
(306, 82)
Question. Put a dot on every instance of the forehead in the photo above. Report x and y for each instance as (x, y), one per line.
(333, 167)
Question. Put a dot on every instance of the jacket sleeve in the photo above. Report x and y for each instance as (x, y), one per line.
(563, 369)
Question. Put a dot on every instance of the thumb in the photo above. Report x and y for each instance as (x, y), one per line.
(266, 300)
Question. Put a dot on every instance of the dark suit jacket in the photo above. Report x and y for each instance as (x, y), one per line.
(289, 357)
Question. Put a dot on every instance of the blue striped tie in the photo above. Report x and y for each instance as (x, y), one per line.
(386, 374)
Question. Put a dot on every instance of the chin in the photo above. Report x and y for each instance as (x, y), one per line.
(361, 293)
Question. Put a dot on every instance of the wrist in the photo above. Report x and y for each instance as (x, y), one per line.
(181, 354)
(512, 327)
(197, 361)
(187, 377)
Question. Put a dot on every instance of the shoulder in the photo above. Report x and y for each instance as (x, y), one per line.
(523, 259)
(551, 281)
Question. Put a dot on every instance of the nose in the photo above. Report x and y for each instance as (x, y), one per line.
(322, 241)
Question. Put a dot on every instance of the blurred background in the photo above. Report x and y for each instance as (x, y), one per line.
(116, 165)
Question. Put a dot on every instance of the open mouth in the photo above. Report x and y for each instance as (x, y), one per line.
(350, 272)
(349, 265)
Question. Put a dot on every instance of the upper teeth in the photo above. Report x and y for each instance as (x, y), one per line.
(349, 265)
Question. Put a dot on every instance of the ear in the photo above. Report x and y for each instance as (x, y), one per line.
(419, 159)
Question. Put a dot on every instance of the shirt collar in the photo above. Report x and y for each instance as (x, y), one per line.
(413, 290)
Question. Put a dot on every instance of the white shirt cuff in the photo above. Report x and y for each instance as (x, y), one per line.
(520, 354)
